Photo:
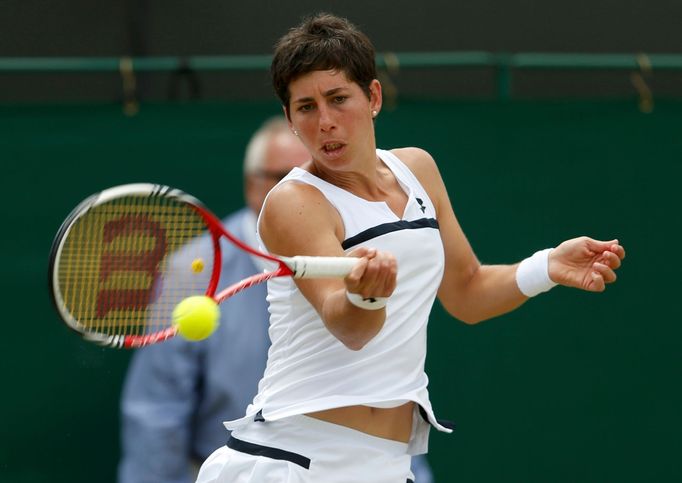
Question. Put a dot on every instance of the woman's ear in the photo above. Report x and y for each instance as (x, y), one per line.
(375, 97)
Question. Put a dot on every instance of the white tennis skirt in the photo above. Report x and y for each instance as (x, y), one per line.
(301, 449)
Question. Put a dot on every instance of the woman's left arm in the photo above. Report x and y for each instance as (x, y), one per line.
(473, 292)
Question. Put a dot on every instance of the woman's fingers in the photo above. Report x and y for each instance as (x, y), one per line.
(374, 275)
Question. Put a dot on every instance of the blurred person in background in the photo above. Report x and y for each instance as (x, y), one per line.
(177, 393)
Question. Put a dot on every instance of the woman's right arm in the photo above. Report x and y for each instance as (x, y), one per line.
(298, 220)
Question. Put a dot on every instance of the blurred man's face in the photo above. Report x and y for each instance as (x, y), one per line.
(283, 152)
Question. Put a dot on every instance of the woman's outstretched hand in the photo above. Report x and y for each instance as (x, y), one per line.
(586, 263)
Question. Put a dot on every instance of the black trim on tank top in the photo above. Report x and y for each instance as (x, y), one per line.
(384, 228)
(446, 423)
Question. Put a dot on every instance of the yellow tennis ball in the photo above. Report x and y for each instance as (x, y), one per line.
(197, 265)
(196, 317)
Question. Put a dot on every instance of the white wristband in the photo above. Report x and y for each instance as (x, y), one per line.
(369, 303)
(532, 274)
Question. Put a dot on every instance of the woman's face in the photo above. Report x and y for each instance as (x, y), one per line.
(333, 117)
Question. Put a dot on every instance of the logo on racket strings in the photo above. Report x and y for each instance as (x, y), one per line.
(135, 245)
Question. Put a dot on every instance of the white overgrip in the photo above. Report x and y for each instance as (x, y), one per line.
(320, 267)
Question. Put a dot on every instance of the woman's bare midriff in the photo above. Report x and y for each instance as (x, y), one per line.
(388, 423)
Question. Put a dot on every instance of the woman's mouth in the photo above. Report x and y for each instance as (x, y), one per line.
(330, 148)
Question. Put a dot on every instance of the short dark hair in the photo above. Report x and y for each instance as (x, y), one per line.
(322, 42)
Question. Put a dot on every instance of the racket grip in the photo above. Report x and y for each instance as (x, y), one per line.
(320, 267)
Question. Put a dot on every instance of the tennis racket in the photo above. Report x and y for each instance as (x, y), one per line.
(126, 256)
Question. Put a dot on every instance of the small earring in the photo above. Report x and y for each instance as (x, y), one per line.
(374, 113)
(295, 132)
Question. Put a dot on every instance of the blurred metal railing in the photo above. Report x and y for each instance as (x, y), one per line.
(505, 64)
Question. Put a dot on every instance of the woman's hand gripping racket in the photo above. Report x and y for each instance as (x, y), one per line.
(127, 256)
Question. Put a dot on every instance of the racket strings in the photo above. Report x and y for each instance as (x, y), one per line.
(126, 263)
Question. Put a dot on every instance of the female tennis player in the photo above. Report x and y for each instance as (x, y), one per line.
(344, 396)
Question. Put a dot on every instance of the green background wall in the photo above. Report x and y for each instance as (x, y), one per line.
(571, 387)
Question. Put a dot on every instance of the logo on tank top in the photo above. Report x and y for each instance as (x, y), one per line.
(421, 205)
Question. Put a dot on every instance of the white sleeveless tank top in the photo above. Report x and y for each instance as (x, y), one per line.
(308, 369)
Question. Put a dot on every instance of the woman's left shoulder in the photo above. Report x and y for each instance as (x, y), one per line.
(420, 162)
